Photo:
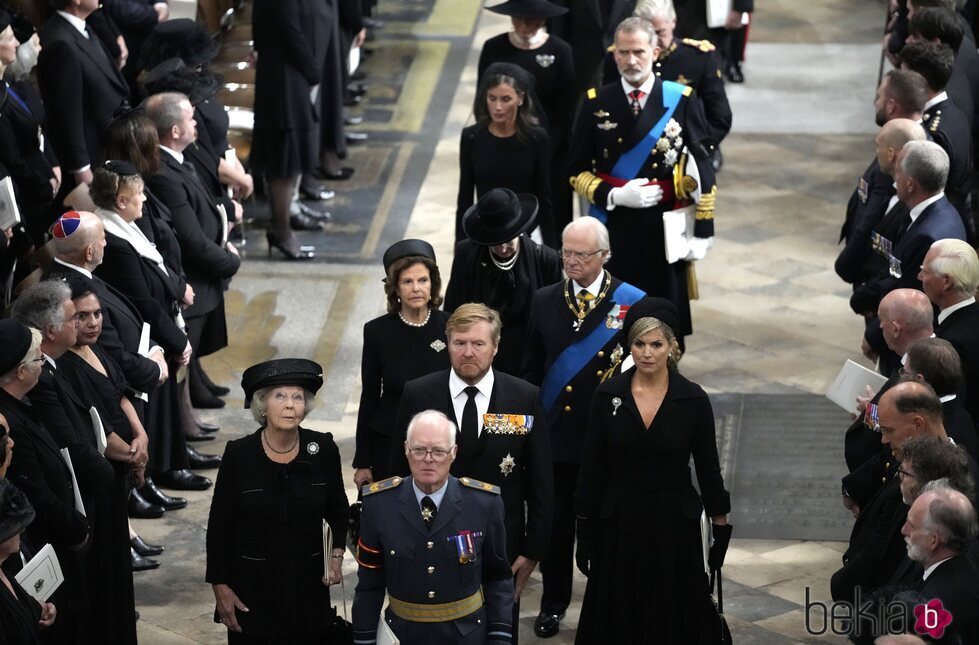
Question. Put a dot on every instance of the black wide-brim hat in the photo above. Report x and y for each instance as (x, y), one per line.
(528, 9)
(499, 216)
(15, 338)
(659, 308)
(16, 512)
(178, 38)
(407, 248)
(298, 372)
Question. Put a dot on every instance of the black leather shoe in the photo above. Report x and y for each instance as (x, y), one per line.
(547, 625)
(356, 137)
(218, 390)
(201, 462)
(152, 494)
(142, 564)
(199, 437)
(734, 73)
(315, 192)
(205, 400)
(142, 509)
(182, 479)
(208, 428)
(300, 222)
(143, 548)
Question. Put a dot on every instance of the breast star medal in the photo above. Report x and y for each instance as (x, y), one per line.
(506, 466)
(437, 345)
(427, 514)
(312, 447)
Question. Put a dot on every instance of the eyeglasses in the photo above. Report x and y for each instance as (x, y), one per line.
(437, 454)
(577, 255)
(905, 474)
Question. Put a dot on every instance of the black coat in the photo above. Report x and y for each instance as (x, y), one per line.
(954, 582)
(197, 225)
(864, 210)
(475, 279)
(529, 483)
(122, 327)
(959, 328)
(605, 129)
(948, 127)
(153, 292)
(264, 533)
(635, 481)
(550, 332)
(82, 89)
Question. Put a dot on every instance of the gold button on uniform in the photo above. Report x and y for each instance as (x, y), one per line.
(431, 569)
(431, 594)
(567, 408)
(601, 354)
(568, 388)
(430, 545)
(599, 373)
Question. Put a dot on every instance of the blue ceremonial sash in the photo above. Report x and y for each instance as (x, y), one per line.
(575, 356)
(630, 163)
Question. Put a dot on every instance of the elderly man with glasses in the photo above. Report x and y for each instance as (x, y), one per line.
(437, 545)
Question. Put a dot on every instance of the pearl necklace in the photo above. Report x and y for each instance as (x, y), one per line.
(412, 324)
(269, 445)
(505, 265)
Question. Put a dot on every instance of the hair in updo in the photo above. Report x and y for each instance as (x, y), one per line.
(645, 325)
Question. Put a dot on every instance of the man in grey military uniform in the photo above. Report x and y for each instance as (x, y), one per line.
(437, 545)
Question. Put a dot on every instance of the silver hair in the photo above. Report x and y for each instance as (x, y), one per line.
(638, 25)
(950, 515)
(598, 230)
(649, 9)
(259, 407)
(26, 360)
(431, 416)
(926, 163)
(41, 305)
(25, 62)
(957, 260)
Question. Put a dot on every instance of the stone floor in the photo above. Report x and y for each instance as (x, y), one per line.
(772, 318)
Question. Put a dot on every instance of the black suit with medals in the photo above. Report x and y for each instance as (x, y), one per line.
(947, 126)
(520, 464)
(959, 328)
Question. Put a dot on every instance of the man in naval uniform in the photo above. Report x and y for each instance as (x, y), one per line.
(572, 342)
(638, 152)
(436, 545)
(503, 435)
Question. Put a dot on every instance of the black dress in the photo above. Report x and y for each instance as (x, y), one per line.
(265, 538)
(552, 66)
(647, 583)
(394, 353)
(487, 162)
(110, 575)
(19, 615)
(476, 279)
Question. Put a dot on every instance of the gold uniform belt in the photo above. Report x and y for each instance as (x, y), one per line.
(440, 613)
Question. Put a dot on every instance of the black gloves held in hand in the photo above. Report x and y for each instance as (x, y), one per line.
(722, 538)
(587, 534)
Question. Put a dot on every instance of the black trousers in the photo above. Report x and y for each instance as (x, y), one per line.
(557, 569)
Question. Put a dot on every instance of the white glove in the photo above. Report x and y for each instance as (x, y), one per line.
(699, 247)
(635, 194)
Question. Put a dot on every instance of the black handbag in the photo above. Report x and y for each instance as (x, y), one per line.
(341, 630)
(721, 630)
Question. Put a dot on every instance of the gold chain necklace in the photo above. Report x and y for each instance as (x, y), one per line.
(582, 310)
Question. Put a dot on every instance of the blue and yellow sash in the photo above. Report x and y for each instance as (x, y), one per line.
(631, 161)
(575, 356)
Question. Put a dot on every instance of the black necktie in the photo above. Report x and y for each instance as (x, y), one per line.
(429, 510)
(96, 42)
(470, 424)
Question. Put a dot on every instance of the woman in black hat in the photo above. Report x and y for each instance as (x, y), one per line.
(405, 343)
(505, 148)
(21, 617)
(500, 266)
(275, 488)
(639, 536)
(550, 61)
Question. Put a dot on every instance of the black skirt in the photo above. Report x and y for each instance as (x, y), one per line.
(280, 153)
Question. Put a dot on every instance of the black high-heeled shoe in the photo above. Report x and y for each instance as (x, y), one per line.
(300, 253)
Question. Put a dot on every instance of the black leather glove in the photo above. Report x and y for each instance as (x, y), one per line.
(722, 538)
(587, 535)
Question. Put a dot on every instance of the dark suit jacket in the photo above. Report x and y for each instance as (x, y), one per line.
(876, 545)
(864, 210)
(948, 127)
(152, 292)
(954, 582)
(81, 88)
(197, 224)
(960, 329)
(549, 332)
(531, 481)
(122, 327)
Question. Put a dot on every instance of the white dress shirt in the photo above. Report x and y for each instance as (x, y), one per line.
(457, 390)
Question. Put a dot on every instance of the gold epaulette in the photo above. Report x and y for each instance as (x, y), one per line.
(585, 183)
(702, 45)
(687, 90)
(384, 484)
(478, 485)
(592, 93)
(610, 49)
(705, 207)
